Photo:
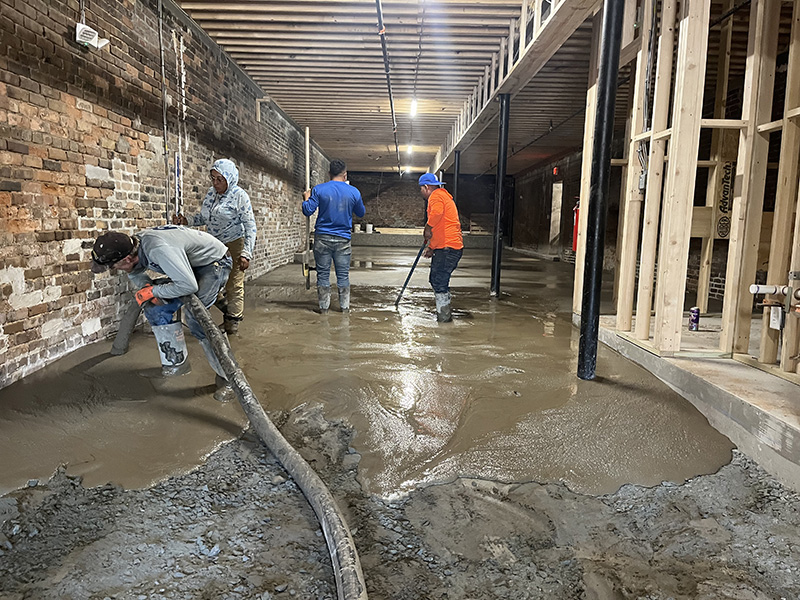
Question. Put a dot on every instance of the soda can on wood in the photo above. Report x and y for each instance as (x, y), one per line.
(694, 318)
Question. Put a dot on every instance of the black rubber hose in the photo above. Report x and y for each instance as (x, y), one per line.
(346, 566)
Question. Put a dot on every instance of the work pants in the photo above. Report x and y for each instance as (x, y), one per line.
(210, 280)
(332, 249)
(443, 262)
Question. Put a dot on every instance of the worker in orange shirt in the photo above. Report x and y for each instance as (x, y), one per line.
(445, 244)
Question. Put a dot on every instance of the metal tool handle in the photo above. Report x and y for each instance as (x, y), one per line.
(414, 266)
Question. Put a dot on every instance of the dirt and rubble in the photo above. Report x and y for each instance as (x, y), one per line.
(468, 460)
(237, 527)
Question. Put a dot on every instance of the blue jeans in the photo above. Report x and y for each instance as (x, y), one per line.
(210, 280)
(335, 249)
(443, 262)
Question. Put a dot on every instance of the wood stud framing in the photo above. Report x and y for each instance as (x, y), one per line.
(785, 207)
(719, 153)
(586, 164)
(665, 214)
(631, 194)
(751, 167)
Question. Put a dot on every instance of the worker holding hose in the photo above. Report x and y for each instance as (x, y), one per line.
(195, 263)
(445, 243)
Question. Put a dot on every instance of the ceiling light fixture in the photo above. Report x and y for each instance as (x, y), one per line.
(410, 149)
(413, 107)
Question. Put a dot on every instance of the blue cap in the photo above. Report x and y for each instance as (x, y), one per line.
(429, 179)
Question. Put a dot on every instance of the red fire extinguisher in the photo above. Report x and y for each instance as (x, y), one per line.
(575, 212)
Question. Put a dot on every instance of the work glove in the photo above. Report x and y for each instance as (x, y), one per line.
(145, 295)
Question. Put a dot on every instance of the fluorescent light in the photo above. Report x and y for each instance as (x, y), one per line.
(413, 107)
(410, 149)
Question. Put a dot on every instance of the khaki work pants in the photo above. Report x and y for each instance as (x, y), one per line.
(234, 289)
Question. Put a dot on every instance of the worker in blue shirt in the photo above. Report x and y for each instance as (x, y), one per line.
(337, 202)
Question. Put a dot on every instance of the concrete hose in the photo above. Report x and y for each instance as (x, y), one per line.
(346, 565)
(126, 326)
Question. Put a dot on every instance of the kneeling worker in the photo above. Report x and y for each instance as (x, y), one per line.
(195, 262)
(445, 243)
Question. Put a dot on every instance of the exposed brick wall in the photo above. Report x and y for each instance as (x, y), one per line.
(392, 201)
(81, 151)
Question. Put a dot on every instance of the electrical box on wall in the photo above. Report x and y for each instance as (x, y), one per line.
(89, 37)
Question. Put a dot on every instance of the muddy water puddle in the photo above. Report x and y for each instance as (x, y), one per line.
(97, 416)
(493, 395)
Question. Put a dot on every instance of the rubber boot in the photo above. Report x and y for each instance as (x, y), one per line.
(324, 297)
(344, 298)
(224, 392)
(172, 348)
(230, 325)
(443, 313)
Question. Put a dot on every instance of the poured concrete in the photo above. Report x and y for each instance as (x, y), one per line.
(492, 396)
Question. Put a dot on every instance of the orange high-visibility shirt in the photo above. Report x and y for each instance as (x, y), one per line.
(443, 219)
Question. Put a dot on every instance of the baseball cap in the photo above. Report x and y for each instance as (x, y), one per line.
(429, 179)
(110, 248)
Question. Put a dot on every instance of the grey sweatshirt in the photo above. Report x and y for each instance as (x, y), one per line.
(174, 251)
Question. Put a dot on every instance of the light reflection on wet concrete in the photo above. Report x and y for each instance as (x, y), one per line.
(492, 395)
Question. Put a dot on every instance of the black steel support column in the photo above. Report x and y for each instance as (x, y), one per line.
(598, 193)
(502, 149)
(456, 173)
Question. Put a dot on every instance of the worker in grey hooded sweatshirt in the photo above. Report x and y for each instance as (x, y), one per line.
(228, 215)
(195, 262)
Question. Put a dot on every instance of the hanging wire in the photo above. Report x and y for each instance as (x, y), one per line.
(727, 14)
(164, 108)
(420, 28)
(643, 148)
(382, 34)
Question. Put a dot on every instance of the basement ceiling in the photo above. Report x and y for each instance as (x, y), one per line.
(321, 61)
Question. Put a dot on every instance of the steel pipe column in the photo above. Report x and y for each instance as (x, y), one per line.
(502, 149)
(598, 193)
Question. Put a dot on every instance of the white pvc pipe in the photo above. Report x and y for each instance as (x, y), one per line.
(774, 290)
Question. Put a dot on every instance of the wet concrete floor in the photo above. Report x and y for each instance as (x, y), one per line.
(493, 395)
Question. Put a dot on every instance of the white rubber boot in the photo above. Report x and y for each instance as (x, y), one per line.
(344, 298)
(324, 297)
(443, 313)
(172, 348)
(224, 391)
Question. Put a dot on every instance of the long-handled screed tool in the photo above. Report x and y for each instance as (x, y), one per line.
(307, 253)
(410, 273)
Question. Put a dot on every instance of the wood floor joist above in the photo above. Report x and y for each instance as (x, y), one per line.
(321, 62)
